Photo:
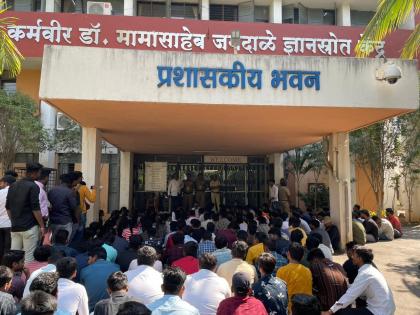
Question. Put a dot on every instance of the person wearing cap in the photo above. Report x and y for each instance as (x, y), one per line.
(5, 223)
(333, 232)
(242, 302)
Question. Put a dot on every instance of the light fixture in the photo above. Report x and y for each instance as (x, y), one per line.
(235, 40)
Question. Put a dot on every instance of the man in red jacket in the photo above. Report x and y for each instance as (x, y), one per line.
(242, 303)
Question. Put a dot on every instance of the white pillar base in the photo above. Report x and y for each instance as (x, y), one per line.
(126, 179)
(129, 8)
(205, 10)
(91, 166)
(340, 185)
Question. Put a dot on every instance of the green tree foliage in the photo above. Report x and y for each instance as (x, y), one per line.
(389, 16)
(20, 129)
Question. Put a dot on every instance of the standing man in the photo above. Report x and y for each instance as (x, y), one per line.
(63, 205)
(284, 196)
(84, 195)
(215, 192)
(274, 196)
(200, 191)
(5, 223)
(174, 191)
(22, 205)
(188, 197)
(43, 199)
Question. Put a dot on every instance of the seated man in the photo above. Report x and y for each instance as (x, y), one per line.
(222, 252)
(242, 302)
(333, 232)
(133, 308)
(304, 304)
(38, 303)
(94, 276)
(386, 231)
(372, 230)
(396, 224)
(173, 288)
(117, 289)
(61, 244)
(7, 302)
(188, 263)
(15, 260)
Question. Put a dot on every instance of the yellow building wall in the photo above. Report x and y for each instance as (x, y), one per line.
(27, 83)
(364, 193)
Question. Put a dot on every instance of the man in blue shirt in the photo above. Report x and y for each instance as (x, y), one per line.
(94, 277)
(173, 288)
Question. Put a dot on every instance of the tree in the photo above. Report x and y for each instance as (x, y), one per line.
(20, 130)
(298, 164)
(389, 16)
(67, 140)
(376, 149)
(10, 57)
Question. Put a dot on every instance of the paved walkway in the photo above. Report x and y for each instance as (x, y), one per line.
(399, 261)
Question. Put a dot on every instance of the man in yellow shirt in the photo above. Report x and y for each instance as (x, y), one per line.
(294, 224)
(256, 250)
(237, 264)
(85, 195)
(297, 277)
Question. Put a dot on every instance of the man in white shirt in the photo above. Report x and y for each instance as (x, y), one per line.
(144, 282)
(174, 192)
(274, 195)
(43, 199)
(5, 223)
(370, 283)
(205, 289)
(386, 230)
(71, 297)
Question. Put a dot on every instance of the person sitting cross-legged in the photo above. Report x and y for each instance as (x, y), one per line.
(242, 303)
(39, 303)
(133, 308)
(7, 302)
(171, 302)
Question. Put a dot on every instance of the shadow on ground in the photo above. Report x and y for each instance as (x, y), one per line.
(410, 274)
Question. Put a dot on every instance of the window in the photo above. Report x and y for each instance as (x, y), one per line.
(151, 8)
(261, 13)
(361, 18)
(184, 10)
(220, 12)
(320, 16)
(301, 15)
(24, 5)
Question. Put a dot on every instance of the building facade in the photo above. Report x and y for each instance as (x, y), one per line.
(212, 86)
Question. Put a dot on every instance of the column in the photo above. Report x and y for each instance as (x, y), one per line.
(48, 120)
(126, 179)
(91, 165)
(339, 185)
(276, 11)
(278, 167)
(129, 7)
(343, 14)
(49, 5)
(205, 9)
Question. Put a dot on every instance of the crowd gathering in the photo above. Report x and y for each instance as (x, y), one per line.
(276, 259)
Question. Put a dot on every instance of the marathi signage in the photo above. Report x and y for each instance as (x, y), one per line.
(238, 76)
(35, 29)
(156, 175)
(215, 159)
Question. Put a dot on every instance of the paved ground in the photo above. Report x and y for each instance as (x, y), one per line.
(399, 261)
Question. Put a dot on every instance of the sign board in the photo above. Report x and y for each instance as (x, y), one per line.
(238, 159)
(156, 176)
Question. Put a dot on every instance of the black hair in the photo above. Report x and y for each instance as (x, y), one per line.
(252, 227)
(315, 223)
(173, 280)
(191, 249)
(242, 235)
(296, 251)
(220, 242)
(9, 179)
(46, 282)
(66, 179)
(317, 236)
(303, 304)
(45, 172)
(97, 251)
(135, 241)
(207, 236)
(66, 267)
(312, 242)
(364, 253)
(239, 249)
(208, 261)
(315, 253)
(33, 167)
(12, 256)
(275, 231)
(133, 308)
(375, 218)
(294, 221)
(365, 212)
(117, 281)
(195, 223)
(11, 173)
(296, 236)
(211, 227)
(6, 275)
(350, 245)
(356, 206)
(146, 255)
(109, 238)
(267, 263)
(42, 253)
(283, 182)
(77, 174)
(262, 220)
(389, 210)
(173, 226)
(178, 238)
(271, 245)
(61, 237)
(261, 237)
(38, 303)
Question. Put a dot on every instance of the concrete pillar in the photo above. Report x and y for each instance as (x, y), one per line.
(205, 9)
(276, 15)
(48, 120)
(340, 185)
(49, 5)
(91, 165)
(410, 22)
(278, 167)
(343, 15)
(129, 8)
(126, 179)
